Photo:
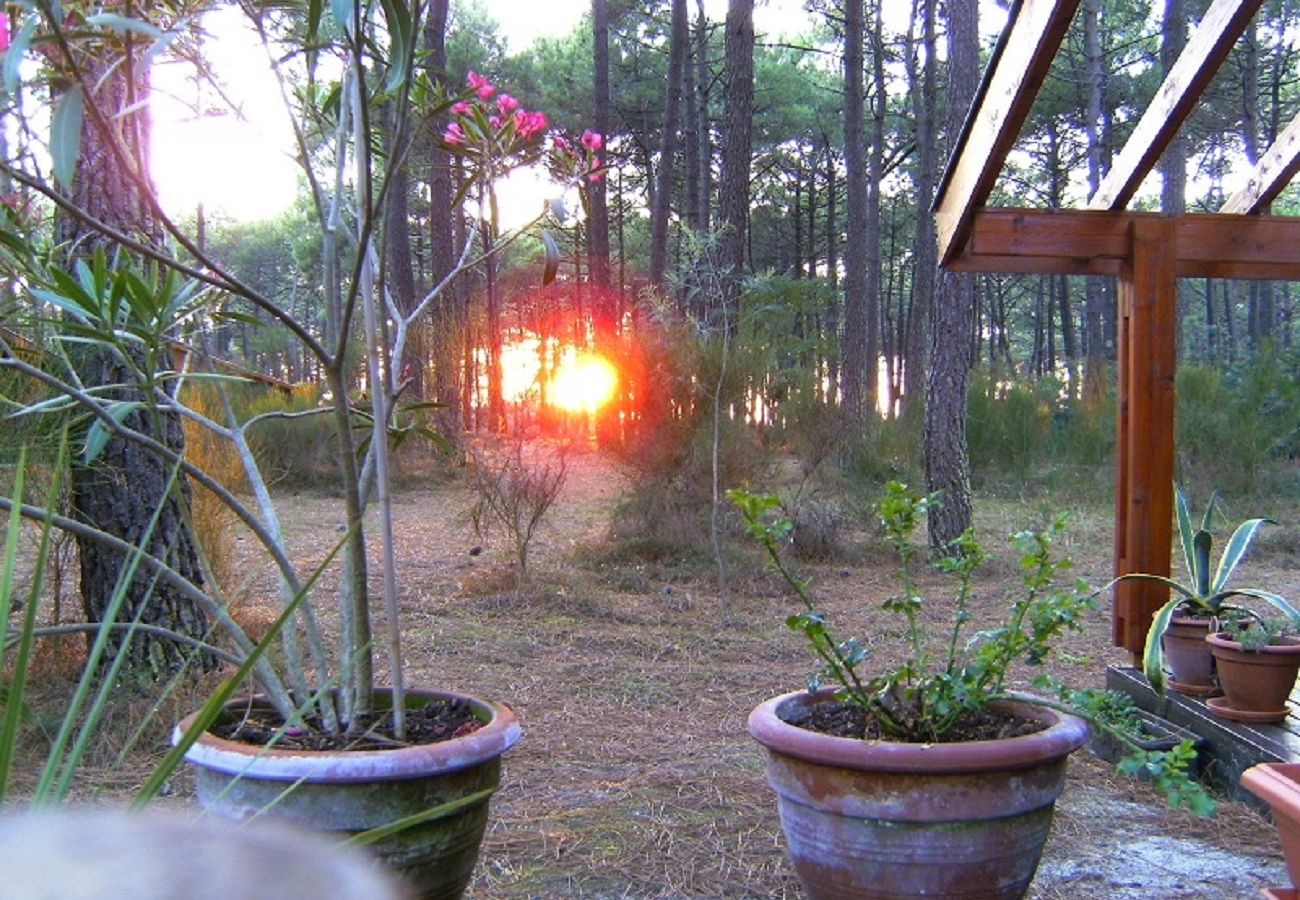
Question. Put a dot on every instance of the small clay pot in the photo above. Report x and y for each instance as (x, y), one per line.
(1256, 683)
(1191, 665)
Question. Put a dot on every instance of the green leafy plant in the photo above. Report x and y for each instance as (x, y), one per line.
(131, 292)
(925, 697)
(1207, 592)
(1255, 633)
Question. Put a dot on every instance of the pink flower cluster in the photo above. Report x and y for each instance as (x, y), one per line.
(527, 125)
(591, 165)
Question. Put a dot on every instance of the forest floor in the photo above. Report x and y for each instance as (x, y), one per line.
(633, 680)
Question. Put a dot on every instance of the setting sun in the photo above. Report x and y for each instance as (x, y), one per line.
(584, 383)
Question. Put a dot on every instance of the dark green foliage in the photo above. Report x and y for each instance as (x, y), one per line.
(1239, 429)
(1029, 436)
(930, 692)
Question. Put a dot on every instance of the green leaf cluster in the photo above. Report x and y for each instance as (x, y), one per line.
(930, 693)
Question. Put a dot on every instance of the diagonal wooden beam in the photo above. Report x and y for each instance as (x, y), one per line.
(1019, 65)
(1223, 24)
(1271, 175)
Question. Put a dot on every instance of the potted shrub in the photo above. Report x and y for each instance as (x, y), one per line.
(318, 715)
(1176, 638)
(931, 778)
(1257, 661)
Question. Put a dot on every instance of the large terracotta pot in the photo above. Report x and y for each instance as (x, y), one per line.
(1256, 683)
(346, 792)
(1191, 666)
(879, 819)
(1278, 785)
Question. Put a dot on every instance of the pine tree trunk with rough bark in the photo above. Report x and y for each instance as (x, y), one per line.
(853, 369)
(121, 490)
(737, 129)
(947, 459)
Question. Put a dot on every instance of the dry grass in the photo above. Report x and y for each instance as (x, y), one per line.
(214, 523)
(635, 777)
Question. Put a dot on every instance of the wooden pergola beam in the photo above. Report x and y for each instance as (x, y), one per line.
(1270, 176)
(1218, 31)
(1019, 66)
(1098, 242)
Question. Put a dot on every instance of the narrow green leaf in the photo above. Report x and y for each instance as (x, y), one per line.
(1185, 532)
(65, 135)
(441, 811)
(17, 52)
(552, 258)
(314, 8)
(398, 16)
(123, 24)
(1237, 546)
(98, 434)
(212, 708)
(342, 10)
(1153, 654)
(1201, 543)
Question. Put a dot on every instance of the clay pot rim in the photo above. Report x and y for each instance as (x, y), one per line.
(1218, 641)
(1064, 735)
(499, 733)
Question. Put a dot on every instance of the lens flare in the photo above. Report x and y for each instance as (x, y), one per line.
(583, 383)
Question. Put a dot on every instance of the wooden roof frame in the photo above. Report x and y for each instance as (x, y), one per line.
(1146, 252)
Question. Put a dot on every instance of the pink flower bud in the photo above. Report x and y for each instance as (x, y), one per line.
(460, 108)
(481, 85)
(507, 104)
(495, 121)
(560, 143)
(530, 123)
(592, 141)
(454, 135)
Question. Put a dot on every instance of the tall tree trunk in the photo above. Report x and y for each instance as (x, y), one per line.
(947, 461)
(597, 195)
(1173, 164)
(832, 270)
(737, 127)
(703, 134)
(853, 371)
(668, 145)
(1261, 292)
(120, 492)
(692, 149)
(400, 271)
(925, 106)
(447, 321)
(1094, 371)
(875, 178)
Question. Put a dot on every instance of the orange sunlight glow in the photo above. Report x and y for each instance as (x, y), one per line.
(584, 382)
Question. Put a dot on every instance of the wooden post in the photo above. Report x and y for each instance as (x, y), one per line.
(1144, 493)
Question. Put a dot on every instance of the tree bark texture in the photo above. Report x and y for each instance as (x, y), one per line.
(597, 195)
(737, 129)
(947, 459)
(447, 320)
(925, 103)
(854, 366)
(120, 491)
(677, 42)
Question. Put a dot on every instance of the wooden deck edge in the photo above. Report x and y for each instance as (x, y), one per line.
(1231, 747)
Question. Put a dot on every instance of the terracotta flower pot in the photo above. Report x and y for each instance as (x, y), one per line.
(345, 792)
(1278, 785)
(880, 819)
(1256, 683)
(1191, 665)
